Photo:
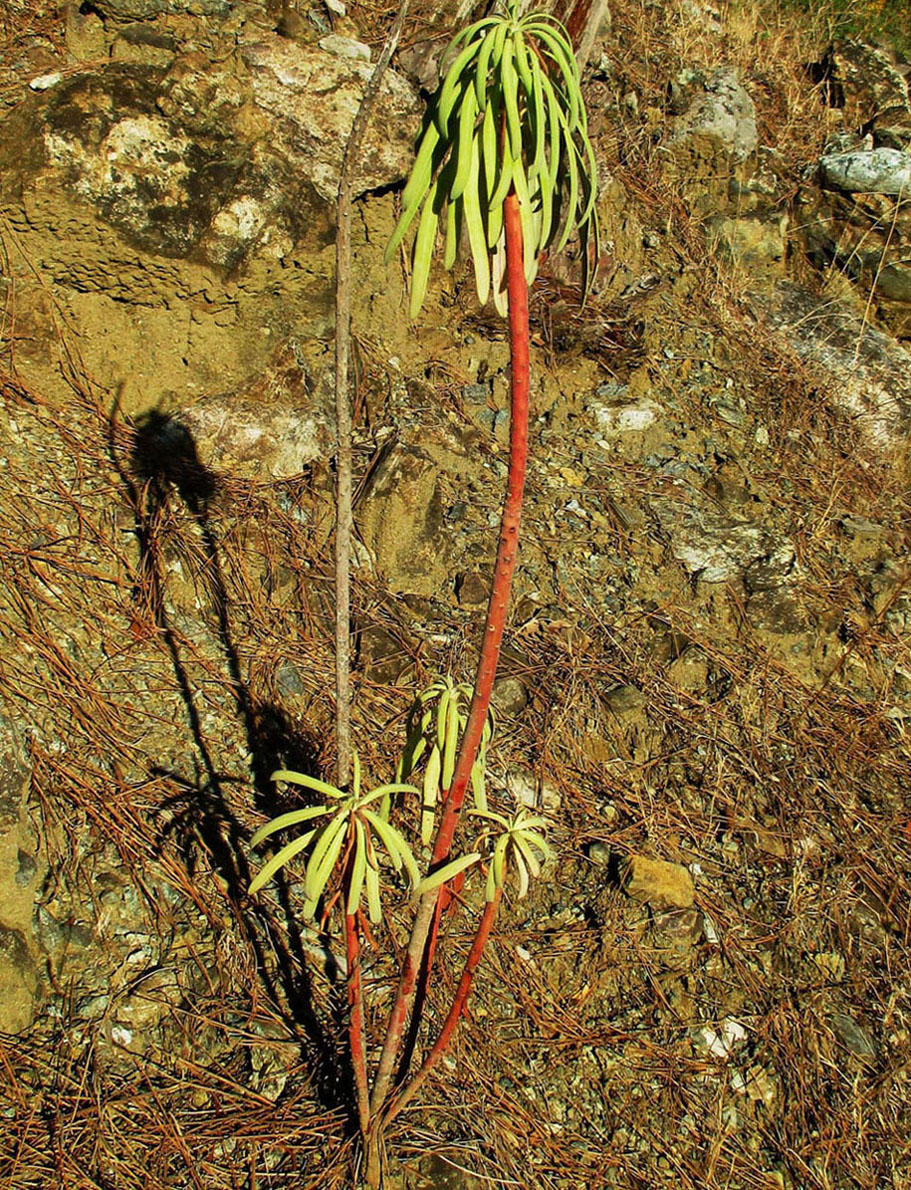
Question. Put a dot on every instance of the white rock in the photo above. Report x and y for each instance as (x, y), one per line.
(868, 171)
(626, 419)
(313, 94)
(724, 114)
(345, 47)
(721, 1043)
(44, 82)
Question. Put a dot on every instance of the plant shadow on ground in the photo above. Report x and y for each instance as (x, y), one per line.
(165, 466)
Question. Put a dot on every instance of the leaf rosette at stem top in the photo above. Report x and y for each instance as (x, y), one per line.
(508, 117)
(515, 843)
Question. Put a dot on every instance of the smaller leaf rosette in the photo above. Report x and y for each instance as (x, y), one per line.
(351, 828)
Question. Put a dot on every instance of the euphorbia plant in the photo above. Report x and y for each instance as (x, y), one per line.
(348, 831)
(504, 153)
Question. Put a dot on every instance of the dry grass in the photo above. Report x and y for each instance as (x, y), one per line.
(788, 793)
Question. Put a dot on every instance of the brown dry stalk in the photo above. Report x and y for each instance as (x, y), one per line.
(343, 514)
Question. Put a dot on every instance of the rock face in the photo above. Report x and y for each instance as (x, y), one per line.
(855, 213)
(714, 546)
(312, 97)
(143, 10)
(187, 210)
(713, 141)
(721, 121)
(271, 428)
(401, 516)
(867, 171)
(714, 156)
(871, 373)
(869, 86)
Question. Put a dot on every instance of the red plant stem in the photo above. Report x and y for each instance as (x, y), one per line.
(509, 531)
(458, 1005)
(356, 1021)
(490, 647)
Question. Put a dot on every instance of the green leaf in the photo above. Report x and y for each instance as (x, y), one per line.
(511, 101)
(413, 751)
(553, 107)
(491, 888)
(372, 881)
(431, 793)
(590, 175)
(539, 123)
(522, 848)
(453, 231)
(423, 252)
(398, 849)
(498, 277)
(443, 875)
(494, 227)
(451, 86)
(478, 787)
(382, 790)
(358, 869)
(561, 53)
(498, 861)
(286, 820)
(491, 816)
(417, 186)
(309, 782)
(522, 872)
(452, 732)
(489, 137)
(573, 200)
(442, 716)
(485, 54)
(325, 853)
(468, 111)
(288, 852)
(520, 55)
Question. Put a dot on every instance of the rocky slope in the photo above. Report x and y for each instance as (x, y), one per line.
(707, 683)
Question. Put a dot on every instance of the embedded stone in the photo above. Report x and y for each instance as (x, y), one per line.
(657, 883)
(868, 171)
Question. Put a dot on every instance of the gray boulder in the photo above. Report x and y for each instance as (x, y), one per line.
(868, 372)
(868, 171)
(312, 96)
(719, 122)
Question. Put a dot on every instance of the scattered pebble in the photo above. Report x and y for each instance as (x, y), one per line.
(657, 883)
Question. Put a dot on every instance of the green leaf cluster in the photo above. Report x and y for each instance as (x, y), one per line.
(351, 829)
(437, 721)
(514, 844)
(508, 116)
